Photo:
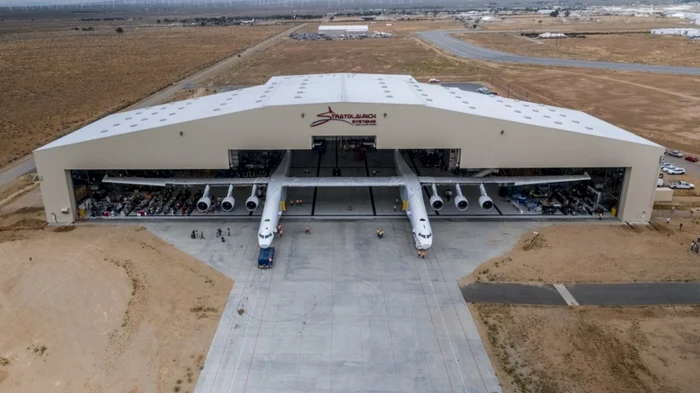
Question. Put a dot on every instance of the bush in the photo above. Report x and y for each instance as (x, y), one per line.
(120, 30)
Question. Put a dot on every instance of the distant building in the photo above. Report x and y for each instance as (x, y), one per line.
(551, 35)
(344, 31)
(677, 31)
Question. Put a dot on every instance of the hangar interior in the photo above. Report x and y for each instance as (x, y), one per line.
(348, 125)
(347, 156)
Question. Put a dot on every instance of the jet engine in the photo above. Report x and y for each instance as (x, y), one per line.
(252, 202)
(205, 201)
(228, 203)
(435, 201)
(461, 203)
(485, 202)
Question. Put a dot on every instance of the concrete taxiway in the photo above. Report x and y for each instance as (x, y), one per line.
(446, 41)
(343, 311)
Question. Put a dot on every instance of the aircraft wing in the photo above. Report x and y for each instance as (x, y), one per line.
(386, 181)
(185, 181)
(503, 180)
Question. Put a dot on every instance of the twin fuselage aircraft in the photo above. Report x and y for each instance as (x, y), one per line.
(410, 186)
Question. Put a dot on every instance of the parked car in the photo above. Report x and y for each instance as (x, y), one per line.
(434, 80)
(681, 185)
(691, 159)
(675, 153)
(668, 168)
(676, 171)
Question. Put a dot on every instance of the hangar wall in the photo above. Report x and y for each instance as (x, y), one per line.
(205, 142)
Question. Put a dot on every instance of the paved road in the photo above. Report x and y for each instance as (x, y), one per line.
(636, 294)
(28, 165)
(446, 41)
(633, 294)
(193, 80)
(512, 294)
(16, 171)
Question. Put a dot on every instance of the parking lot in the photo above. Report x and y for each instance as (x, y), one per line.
(691, 168)
(344, 311)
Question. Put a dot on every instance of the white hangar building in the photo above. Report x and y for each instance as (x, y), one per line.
(393, 112)
(343, 30)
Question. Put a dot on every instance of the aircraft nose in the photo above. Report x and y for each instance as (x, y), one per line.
(265, 243)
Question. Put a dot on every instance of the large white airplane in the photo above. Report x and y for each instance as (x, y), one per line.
(410, 186)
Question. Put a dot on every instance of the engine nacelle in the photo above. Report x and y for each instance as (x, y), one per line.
(229, 202)
(485, 202)
(435, 201)
(252, 203)
(461, 203)
(204, 202)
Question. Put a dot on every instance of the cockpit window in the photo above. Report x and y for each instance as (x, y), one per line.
(260, 235)
(267, 220)
(422, 219)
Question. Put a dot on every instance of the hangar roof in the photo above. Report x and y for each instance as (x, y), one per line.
(347, 88)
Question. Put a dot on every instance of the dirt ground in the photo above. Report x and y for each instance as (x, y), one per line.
(108, 309)
(403, 54)
(592, 349)
(659, 107)
(55, 81)
(623, 48)
(592, 23)
(662, 108)
(575, 253)
(99, 308)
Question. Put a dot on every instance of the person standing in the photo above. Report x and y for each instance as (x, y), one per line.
(680, 227)
(229, 231)
(668, 220)
(307, 230)
(281, 233)
(394, 208)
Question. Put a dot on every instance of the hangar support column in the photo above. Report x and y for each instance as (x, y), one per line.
(638, 189)
(57, 193)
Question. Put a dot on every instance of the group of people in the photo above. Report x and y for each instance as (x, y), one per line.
(197, 234)
(695, 245)
(297, 201)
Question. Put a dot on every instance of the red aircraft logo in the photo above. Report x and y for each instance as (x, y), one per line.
(354, 119)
